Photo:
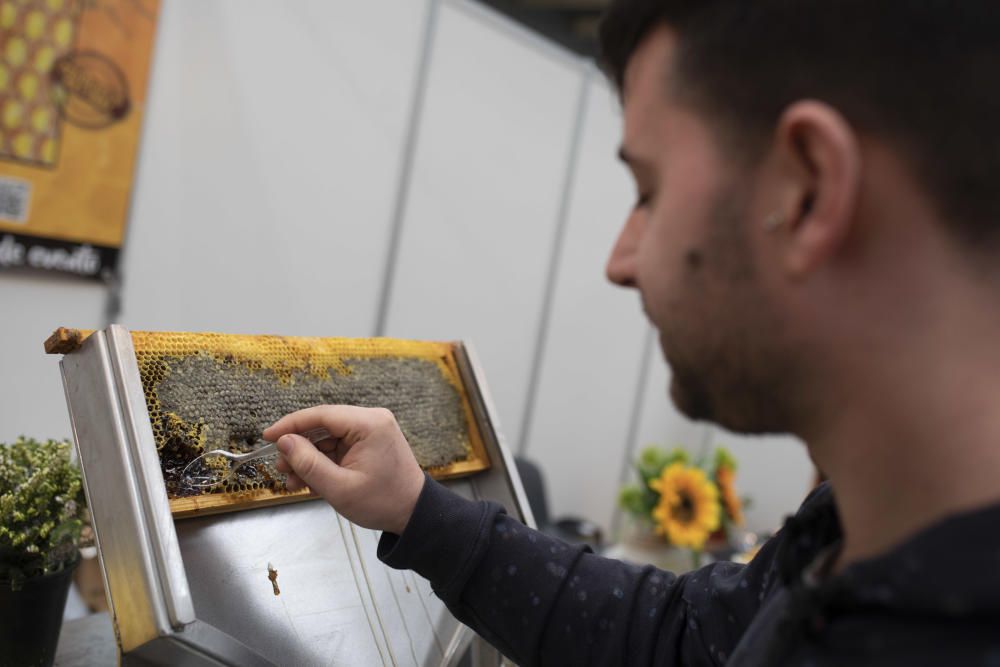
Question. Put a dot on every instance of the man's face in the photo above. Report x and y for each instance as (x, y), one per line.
(686, 247)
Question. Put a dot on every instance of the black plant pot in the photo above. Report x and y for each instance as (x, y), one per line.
(31, 618)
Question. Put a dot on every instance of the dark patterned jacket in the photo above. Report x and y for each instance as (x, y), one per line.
(934, 600)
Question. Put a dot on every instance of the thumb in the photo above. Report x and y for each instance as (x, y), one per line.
(313, 467)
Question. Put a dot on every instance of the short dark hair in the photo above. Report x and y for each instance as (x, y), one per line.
(921, 74)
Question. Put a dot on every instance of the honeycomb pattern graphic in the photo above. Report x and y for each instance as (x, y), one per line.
(208, 391)
(34, 34)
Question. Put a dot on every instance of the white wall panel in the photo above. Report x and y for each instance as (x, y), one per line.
(593, 348)
(32, 401)
(489, 166)
(269, 165)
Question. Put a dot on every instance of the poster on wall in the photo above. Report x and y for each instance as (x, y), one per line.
(73, 77)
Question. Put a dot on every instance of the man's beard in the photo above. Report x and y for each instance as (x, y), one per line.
(726, 346)
(733, 389)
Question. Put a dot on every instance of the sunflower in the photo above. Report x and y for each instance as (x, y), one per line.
(688, 509)
(725, 477)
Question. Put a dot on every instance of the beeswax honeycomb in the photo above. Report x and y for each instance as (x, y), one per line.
(211, 391)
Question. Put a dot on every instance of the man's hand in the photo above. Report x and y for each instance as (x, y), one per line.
(365, 470)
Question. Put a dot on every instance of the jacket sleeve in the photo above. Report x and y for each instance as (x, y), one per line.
(542, 601)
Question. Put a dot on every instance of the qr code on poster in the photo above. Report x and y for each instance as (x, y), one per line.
(15, 196)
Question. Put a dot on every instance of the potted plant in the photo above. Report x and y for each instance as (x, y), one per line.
(42, 510)
(680, 508)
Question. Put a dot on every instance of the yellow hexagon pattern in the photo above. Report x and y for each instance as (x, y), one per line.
(33, 35)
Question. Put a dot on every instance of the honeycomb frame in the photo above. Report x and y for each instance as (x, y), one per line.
(419, 380)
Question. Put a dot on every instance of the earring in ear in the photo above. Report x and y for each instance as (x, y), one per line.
(773, 221)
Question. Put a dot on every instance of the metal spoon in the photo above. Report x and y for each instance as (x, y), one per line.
(212, 476)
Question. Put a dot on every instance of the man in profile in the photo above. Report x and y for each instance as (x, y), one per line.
(816, 238)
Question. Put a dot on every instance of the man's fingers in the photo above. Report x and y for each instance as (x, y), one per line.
(327, 445)
(310, 466)
(293, 483)
(330, 447)
(295, 422)
(341, 421)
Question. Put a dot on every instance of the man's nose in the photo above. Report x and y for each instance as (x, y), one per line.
(621, 264)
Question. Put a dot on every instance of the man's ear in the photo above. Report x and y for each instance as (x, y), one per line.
(820, 162)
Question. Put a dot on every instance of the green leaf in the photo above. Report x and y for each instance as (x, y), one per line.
(724, 459)
(630, 498)
(42, 508)
(652, 461)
